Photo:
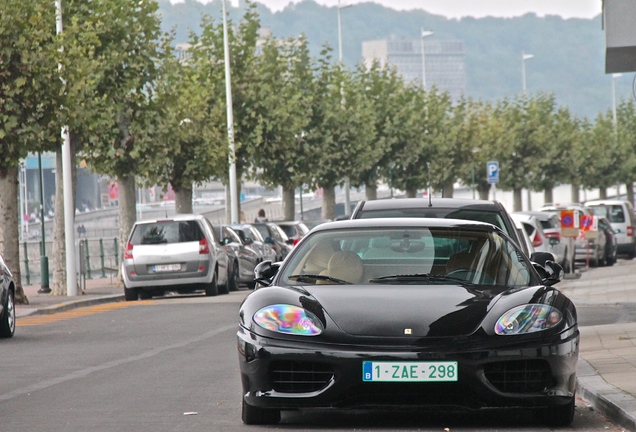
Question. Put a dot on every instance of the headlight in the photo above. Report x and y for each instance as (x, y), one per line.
(528, 318)
(288, 319)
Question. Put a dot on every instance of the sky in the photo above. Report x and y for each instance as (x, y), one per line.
(472, 8)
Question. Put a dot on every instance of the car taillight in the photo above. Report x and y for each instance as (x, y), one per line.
(295, 242)
(556, 235)
(629, 231)
(204, 248)
(128, 254)
(536, 240)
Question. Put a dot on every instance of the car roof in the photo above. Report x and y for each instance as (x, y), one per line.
(401, 203)
(605, 201)
(541, 215)
(406, 223)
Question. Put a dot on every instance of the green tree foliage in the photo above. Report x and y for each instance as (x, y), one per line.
(189, 144)
(279, 154)
(28, 97)
(338, 132)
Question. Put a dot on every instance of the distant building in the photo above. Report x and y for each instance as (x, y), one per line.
(444, 60)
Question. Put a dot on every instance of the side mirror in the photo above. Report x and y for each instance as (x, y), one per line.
(551, 272)
(542, 257)
(265, 272)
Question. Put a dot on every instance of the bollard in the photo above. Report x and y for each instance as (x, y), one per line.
(101, 256)
(26, 264)
(44, 275)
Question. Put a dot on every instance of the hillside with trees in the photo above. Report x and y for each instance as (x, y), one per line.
(569, 54)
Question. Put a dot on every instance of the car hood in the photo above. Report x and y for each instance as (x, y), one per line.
(411, 310)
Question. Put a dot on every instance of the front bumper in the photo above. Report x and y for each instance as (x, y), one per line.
(282, 375)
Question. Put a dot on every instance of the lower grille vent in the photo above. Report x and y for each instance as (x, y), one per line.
(299, 377)
(519, 376)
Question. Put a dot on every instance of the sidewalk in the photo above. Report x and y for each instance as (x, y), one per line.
(96, 291)
(606, 371)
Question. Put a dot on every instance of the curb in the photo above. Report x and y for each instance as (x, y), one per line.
(618, 406)
(62, 307)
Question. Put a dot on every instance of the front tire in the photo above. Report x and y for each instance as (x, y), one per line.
(7, 324)
(233, 283)
(252, 415)
(558, 416)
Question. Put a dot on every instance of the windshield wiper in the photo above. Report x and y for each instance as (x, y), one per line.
(314, 277)
(420, 276)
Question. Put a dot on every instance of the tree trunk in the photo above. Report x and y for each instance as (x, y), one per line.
(127, 211)
(630, 192)
(517, 199)
(483, 189)
(548, 196)
(289, 205)
(411, 192)
(448, 190)
(9, 229)
(371, 192)
(328, 203)
(182, 199)
(575, 193)
(602, 193)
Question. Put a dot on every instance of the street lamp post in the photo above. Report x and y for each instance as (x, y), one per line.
(524, 57)
(425, 34)
(614, 120)
(67, 175)
(44, 260)
(234, 212)
(614, 76)
(347, 182)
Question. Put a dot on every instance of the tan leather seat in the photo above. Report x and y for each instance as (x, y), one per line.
(318, 259)
(346, 266)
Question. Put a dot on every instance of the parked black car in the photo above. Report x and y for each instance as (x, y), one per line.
(7, 301)
(274, 235)
(444, 313)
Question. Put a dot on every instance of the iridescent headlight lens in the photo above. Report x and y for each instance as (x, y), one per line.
(288, 319)
(528, 318)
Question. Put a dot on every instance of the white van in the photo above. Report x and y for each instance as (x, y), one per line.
(620, 214)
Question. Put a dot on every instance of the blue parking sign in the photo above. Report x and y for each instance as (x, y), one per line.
(492, 172)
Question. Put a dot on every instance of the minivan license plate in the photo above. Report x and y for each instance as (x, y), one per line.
(417, 371)
(166, 267)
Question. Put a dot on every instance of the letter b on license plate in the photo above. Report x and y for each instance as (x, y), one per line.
(386, 371)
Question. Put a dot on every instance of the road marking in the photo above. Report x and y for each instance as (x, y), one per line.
(35, 320)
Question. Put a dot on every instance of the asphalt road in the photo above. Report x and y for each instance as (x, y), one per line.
(171, 364)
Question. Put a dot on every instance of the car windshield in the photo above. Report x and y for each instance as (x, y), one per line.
(408, 255)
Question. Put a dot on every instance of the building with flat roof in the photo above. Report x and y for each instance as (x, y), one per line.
(444, 62)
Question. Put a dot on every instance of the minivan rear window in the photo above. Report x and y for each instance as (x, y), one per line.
(613, 213)
(166, 232)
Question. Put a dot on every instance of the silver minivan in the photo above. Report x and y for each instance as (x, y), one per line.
(179, 254)
(620, 214)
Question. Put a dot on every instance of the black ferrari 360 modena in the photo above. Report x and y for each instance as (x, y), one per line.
(408, 313)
